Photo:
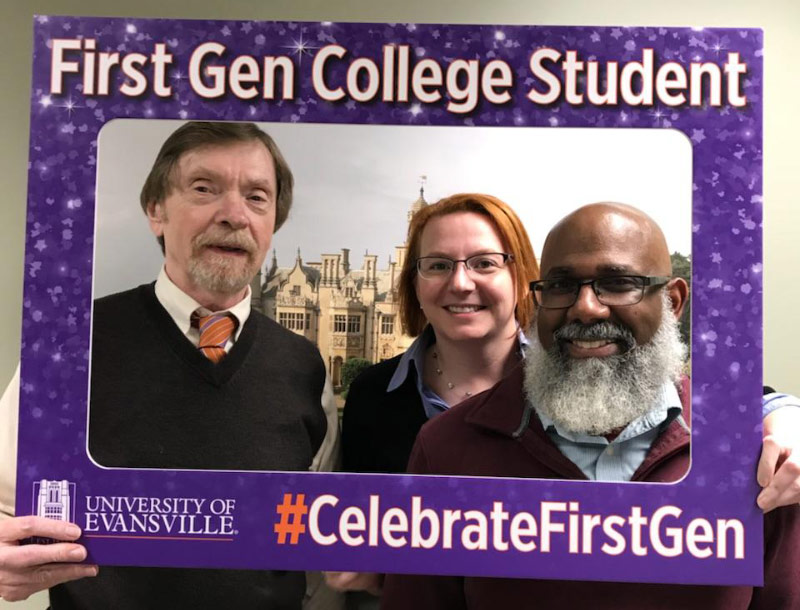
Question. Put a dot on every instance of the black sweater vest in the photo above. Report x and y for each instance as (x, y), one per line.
(157, 402)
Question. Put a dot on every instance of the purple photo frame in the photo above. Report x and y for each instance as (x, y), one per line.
(235, 514)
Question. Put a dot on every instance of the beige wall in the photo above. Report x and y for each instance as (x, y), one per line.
(779, 18)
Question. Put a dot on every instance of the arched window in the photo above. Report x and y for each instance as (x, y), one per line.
(336, 373)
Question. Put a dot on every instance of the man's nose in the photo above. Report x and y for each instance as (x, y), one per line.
(460, 278)
(232, 210)
(587, 307)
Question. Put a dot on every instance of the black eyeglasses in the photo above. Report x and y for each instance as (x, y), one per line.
(613, 291)
(440, 267)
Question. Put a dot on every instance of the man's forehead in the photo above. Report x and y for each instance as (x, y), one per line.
(215, 157)
(600, 248)
(604, 239)
(590, 266)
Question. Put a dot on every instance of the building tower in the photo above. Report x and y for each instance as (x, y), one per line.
(420, 202)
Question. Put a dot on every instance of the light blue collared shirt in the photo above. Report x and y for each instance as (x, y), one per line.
(414, 358)
(775, 400)
(617, 460)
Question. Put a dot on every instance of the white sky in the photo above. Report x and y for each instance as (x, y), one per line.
(354, 184)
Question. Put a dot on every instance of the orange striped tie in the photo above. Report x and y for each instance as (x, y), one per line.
(215, 332)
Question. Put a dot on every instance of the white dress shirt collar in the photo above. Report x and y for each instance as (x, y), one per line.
(180, 307)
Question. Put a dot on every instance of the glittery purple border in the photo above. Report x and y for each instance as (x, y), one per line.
(727, 288)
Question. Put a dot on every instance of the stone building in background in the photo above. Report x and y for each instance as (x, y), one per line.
(347, 313)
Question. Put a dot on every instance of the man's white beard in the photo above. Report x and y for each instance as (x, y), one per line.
(598, 395)
(217, 273)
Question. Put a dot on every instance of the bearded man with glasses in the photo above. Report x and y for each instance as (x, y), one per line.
(601, 395)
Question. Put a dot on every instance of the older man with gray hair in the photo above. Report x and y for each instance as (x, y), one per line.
(186, 376)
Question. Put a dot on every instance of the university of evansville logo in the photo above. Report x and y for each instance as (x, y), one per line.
(53, 499)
